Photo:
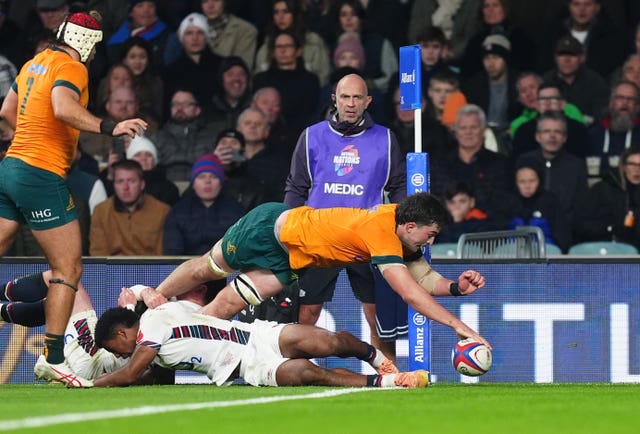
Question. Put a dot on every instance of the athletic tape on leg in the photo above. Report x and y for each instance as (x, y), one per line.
(215, 268)
(246, 289)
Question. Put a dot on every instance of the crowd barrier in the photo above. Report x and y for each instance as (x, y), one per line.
(554, 320)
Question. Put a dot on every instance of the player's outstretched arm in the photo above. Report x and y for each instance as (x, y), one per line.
(468, 282)
(437, 285)
(415, 296)
(131, 372)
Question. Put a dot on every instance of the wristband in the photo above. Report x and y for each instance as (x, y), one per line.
(130, 307)
(107, 127)
(454, 289)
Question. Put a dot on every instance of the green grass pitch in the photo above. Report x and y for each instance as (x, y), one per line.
(441, 408)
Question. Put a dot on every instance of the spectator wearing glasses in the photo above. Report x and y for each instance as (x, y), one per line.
(184, 137)
(298, 87)
(550, 99)
(527, 85)
(617, 130)
(612, 208)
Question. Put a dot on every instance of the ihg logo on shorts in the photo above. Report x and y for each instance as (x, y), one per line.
(42, 215)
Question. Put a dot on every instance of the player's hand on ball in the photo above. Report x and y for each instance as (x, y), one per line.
(464, 332)
(471, 358)
(469, 281)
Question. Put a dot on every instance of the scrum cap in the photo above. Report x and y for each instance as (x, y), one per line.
(81, 32)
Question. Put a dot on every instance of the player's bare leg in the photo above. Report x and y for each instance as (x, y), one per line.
(247, 286)
(62, 247)
(301, 372)
(189, 274)
(309, 313)
(8, 229)
(305, 341)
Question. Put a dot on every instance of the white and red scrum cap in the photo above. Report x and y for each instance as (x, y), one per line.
(80, 31)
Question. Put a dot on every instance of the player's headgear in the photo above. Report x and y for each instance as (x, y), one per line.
(81, 32)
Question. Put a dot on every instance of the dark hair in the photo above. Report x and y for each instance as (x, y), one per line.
(431, 34)
(446, 77)
(271, 43)
(226, 64)
(129, 165)
(423, 209)
(111, 320)
(554, 84)
(297, 28)
(137, 41)
(458, 187)
(552, 116)
(533, 74)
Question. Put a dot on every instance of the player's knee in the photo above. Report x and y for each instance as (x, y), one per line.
(309, 313)
(246, 289)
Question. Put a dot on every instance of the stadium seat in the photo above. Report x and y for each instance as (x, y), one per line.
(603, 248)
(552, 249)
(444, 249)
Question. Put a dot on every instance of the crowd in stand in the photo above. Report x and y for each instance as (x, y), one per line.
(530, 109)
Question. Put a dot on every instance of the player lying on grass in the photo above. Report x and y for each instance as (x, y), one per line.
(272, 241)
(263, 353)
(22, 301)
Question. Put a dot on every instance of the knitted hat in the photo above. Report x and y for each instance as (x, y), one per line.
(351, 45)
(194, 19)
(208, 163)
(569, 45)
(141, 144)
(496, 44)
(234, 134)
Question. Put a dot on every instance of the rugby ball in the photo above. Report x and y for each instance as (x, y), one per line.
(471, 358)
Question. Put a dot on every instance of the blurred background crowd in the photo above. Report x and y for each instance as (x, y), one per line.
(530, 110)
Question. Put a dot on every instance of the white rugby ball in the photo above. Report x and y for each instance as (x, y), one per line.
(470, 357)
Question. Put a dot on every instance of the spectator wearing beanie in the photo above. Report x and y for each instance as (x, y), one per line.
(197, 64)
(142, 150)
(494, 88)
(349, 52)
(229, 149)
(203, 215)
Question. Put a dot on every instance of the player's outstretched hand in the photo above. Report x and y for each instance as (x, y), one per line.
(469, 281)
(465, 332)
(130, 127)
(152, 298)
